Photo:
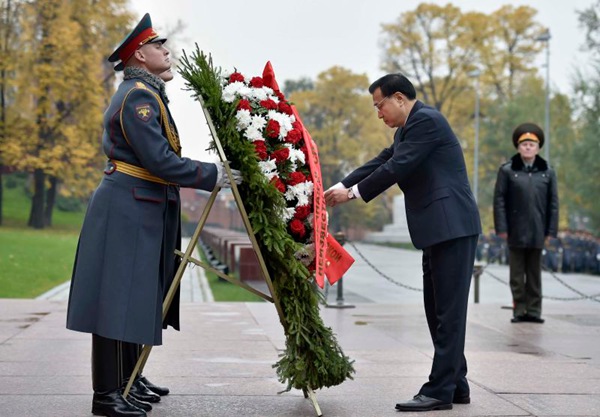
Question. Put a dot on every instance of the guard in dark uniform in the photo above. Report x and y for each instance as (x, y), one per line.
(526, 214)
(125, 260)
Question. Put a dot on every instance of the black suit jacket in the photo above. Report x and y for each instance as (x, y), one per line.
(427, 163)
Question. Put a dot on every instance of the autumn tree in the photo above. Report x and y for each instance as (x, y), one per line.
(8, 34)
(437, 47)
(586, 151)
(338, 112)
(62, 91)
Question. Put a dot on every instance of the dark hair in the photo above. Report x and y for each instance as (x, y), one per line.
(394, 83)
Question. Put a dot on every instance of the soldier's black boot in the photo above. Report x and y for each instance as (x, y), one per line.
(130, 353)
(140, 392)
(106, 380)
(112, 404)
(162, 391)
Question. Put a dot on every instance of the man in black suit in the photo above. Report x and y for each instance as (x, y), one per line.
(427, 163)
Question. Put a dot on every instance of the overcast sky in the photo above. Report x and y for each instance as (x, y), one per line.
(304, 38)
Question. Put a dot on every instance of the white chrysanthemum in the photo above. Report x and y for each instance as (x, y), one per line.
(243, 119)
(288, 213)
(258, 122)
(268, 168)
(257, 94)
(231, 91)
(226, 72)
(256, 127)
(253, 134)
(296, 156)
(301, 192)
(274, 98)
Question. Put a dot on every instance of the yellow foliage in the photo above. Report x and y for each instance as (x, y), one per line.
(59, 88)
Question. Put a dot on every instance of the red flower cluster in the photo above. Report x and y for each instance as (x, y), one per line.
(273, 146)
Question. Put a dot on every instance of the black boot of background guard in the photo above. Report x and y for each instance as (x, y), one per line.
(112, 404)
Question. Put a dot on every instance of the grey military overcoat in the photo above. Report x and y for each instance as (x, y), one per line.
(125, 261)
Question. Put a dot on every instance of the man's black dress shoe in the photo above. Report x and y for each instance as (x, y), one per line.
(533, 319)
(421, 402)
(112, 404)
(154, 388)
(142, 393)
(461, 399)
(518, 319)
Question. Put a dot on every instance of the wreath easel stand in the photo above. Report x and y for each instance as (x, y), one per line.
(186, 258)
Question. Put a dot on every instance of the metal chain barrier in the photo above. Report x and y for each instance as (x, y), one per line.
(582, 296)
(399, 284)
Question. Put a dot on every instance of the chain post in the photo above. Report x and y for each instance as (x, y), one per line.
(477, 271)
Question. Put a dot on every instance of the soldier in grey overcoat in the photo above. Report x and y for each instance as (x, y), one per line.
(125, 259)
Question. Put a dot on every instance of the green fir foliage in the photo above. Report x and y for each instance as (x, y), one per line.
(312, 358)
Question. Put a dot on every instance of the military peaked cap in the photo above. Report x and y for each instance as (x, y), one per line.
(139, 36)
(528, 131)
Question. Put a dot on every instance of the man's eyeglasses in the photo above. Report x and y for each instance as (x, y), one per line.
(380, 103)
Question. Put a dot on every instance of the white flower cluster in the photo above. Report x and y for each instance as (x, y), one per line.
(253, 128)
(302, 192)
(268, 168)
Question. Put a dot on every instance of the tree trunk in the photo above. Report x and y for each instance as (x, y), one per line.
(36, 216)
(50, 199)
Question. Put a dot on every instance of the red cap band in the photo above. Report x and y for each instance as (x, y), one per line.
(143, 38)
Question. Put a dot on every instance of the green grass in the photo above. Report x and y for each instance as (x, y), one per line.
(34, 261)
(17, 205)
(225, 291)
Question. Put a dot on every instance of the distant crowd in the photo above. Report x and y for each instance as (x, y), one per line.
(572, 251)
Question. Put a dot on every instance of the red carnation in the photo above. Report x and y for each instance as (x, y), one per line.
(279, 95)
(302, 212)
(268, 104)
(273, 129)
(261, 149)
(276, 181)
(257, 82)
(304, 150)
(296, 178)
(281, 155)
(284, 107)
(236, 76)
(294, 136)
(312, 267)
(297, 228)
(297, 125)
(244, 105)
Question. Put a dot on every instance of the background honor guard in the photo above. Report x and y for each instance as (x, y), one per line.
(125, 258)
(526, 215)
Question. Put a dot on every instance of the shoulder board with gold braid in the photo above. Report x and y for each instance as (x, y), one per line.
(172, 137)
